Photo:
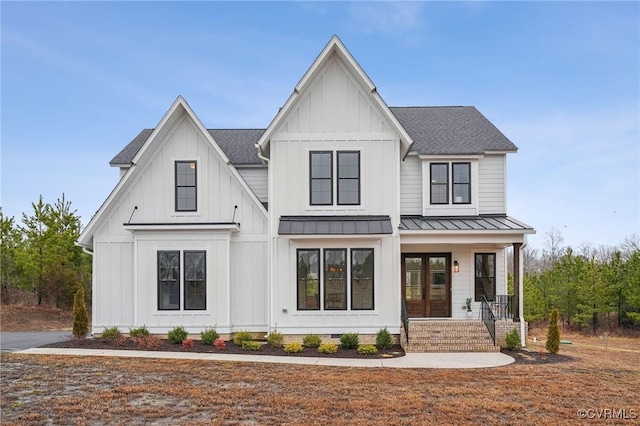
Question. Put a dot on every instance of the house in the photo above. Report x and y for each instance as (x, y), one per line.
(343, 215)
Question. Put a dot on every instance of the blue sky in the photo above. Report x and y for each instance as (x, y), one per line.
(560, 79)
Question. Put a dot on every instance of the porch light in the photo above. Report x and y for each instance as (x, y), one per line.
(456, 266)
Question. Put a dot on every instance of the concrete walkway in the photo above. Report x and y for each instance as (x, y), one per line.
(411, 360)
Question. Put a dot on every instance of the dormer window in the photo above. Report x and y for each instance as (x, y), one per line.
(186, 186)
(460, 192)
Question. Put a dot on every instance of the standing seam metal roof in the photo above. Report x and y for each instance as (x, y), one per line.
(457, 223)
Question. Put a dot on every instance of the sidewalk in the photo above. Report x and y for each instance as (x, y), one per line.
(411, 360)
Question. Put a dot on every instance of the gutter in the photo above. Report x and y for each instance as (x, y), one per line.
(84, 248)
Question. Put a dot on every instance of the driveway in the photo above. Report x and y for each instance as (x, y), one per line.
(17, 341)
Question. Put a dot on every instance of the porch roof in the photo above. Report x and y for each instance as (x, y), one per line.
(490, 223)
(334, 225)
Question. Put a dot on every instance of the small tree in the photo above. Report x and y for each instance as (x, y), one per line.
(80, 317)
(553, 333)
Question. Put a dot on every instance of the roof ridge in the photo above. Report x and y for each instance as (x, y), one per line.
(434, 106)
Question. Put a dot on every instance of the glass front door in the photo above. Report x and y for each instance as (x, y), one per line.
(426, 284)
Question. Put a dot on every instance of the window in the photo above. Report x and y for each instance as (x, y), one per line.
(362, 279)
(309, 279)
(439, 183)
(335, 279)
(186, 186)
(328, 272)
(348, 177)
(485, 276)
(461, 183)
(460, 192)
(321, 178)
(194, 280)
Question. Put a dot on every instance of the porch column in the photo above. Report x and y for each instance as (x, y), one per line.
(517, 284)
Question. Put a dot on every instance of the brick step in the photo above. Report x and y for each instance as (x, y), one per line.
(449, 336)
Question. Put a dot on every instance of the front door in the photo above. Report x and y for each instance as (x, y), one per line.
(426, 284)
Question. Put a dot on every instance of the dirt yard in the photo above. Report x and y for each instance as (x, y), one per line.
(597, 384)
(34, 318)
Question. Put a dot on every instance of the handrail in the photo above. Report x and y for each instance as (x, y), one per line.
(405, 320)
(488, 318)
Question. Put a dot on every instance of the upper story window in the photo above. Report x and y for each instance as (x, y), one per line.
(186, 186)
(460, 185)
(321, 172)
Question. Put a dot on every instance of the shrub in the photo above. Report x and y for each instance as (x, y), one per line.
(242, 336)
(328, 348)
(384, 339)
(188, 343)
(209, 336)
(111, 333)
(349, 341)
(293, 348)
(275, 339)
(553, 333)
(250, 345)
(138, 332)
(367, 349)
(177, 335)
(220, 344)
(80, 317)
(512, 339)
(311, 341)
(149, 342)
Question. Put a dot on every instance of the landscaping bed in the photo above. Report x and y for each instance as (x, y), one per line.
(530, 356)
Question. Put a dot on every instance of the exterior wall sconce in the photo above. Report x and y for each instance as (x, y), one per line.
(456, 266)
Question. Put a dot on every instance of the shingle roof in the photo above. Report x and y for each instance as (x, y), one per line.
(334, 225)
(237, 144)
(457, 223)
(455, 130)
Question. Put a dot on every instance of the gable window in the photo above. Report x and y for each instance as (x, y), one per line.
(308, 279)
(348, 177)
(194, 280)
(485, 276)
(185, 180)
(321, 179)
(461, 183)
(439, 183)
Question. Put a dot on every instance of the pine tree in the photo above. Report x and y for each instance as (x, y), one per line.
(553, 333)
(80, 317)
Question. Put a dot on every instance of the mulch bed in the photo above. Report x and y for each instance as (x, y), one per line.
(128, 343)
(528, 356)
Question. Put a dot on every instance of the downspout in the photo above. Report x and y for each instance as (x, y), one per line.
(84, 248)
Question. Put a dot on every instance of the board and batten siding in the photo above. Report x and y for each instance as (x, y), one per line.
(258, 180)
(492, 184)
(411, 186)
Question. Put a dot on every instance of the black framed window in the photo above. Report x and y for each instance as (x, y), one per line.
(461, 183)
(321, 178)
(168, 280)
(195, 280)
(348, 177)
(335, 279)
(186, 186)
(439, 183)
(308, 285)
(362, 279)
(485, 276)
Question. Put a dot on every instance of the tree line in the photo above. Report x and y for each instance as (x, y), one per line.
(39, 261)
(596, 288)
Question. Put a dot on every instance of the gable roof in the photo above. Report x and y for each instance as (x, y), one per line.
(455, 130)
(335, 46)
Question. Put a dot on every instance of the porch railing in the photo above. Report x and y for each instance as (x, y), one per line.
(404, 316)
(488, 318)
(502, 306)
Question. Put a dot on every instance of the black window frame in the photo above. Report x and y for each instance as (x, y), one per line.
(194, 186)
(298, 280)
(432, 184)
(373, 277)
(342, 179)
(344, 279)
(312, 179)
(159, 282)
(478, 289)
(454, 184)
(184, 279)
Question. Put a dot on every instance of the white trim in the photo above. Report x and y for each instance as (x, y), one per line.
(137, 227)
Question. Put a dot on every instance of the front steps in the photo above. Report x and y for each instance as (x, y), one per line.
(426, 335)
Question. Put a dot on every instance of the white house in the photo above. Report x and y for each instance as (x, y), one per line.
(344, 215)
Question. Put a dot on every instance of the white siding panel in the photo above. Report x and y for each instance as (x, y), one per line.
(249, 274)
(411, 186)
(257, 179)
(491, 185)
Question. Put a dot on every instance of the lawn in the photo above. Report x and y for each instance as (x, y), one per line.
(75, 390)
